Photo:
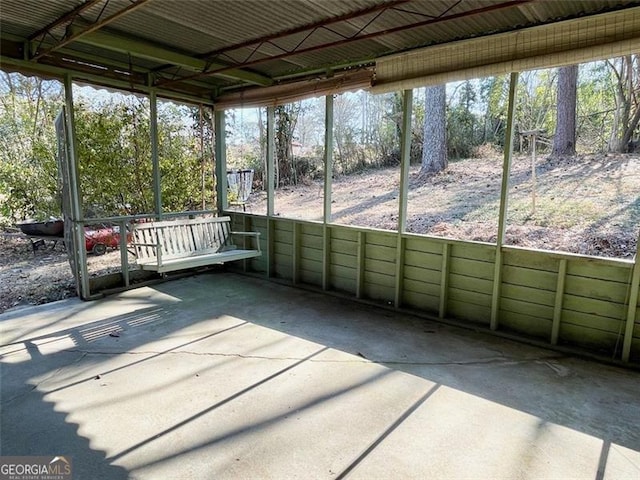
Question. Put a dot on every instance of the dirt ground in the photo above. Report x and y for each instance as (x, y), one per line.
(32, 277)
(588, 205)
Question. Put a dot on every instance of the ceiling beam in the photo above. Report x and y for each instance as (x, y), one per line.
(97, 79)
(156, 53)
(346, 41)
(306, 28)
(13, 46)
(67, 17)
(77, 34)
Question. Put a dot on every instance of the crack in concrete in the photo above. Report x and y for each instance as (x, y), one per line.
(483, 361)
(45, 379)
(185, 352)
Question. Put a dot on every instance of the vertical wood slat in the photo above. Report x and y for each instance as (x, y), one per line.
(270, 246)
(187, 237)
(160, 251)
(326, 252)
(399, 272)
(214, 233)
(362, 239)
(166, 245)
(206, 236)
(295, 254)
(138, 238)
(211, 238)
(171, 246)
(191, 236)
(203, 236)
(150, 239)
(246, 225)
(444, 281)
(218, 238)
(173, 243)
(557, 308)
(631, 308)
(224, 232)
(170, 243)
(504, 190)
(225, 236)
(153, 239)
(182, 244)
(198, 236)
(217, 233)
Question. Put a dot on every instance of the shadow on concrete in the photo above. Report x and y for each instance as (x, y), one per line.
(588, 397)
(31, 425)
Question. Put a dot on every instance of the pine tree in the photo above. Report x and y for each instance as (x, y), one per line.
(434, 147)
(564, 141)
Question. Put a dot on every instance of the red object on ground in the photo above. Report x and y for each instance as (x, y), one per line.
(98, 240)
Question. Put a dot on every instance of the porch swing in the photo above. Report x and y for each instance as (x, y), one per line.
(169, 245)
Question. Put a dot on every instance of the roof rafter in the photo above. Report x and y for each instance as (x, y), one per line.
(366, 36)
(66, 17)
(88, 29)
(150, 51)
(304, 28)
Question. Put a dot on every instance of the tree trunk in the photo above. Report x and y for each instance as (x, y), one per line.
(626, 74)
(564, 141)
(434, 147)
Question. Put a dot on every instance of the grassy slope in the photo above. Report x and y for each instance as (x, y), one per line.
(588, 204)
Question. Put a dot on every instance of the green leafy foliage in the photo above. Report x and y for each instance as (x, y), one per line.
(113, 148)
(28, 168)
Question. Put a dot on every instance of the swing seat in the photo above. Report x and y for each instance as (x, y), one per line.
(171, 245)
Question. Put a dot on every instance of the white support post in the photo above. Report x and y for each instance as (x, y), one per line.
(328, 174)
(271, 167)
(221, 161)
(155, 161)
(405, 160)
(504, 194)
(79, 252)
(328, 157)
(632, 307)
(271, 180)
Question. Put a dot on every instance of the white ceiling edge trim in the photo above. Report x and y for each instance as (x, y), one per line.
(562, 43)
(552, 60)
(292, 92)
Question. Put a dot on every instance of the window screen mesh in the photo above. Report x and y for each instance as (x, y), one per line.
(562, 43)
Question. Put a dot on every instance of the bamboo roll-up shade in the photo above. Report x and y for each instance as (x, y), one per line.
(563, 43)
(292, 92)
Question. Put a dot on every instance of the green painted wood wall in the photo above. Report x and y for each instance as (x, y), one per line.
(557, 298)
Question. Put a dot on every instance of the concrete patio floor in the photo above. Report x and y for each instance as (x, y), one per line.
(224, 376)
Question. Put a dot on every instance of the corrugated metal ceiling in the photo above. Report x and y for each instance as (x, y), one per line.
(327, 36)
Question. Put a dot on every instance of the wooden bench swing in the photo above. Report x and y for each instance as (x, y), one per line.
(170, 245)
